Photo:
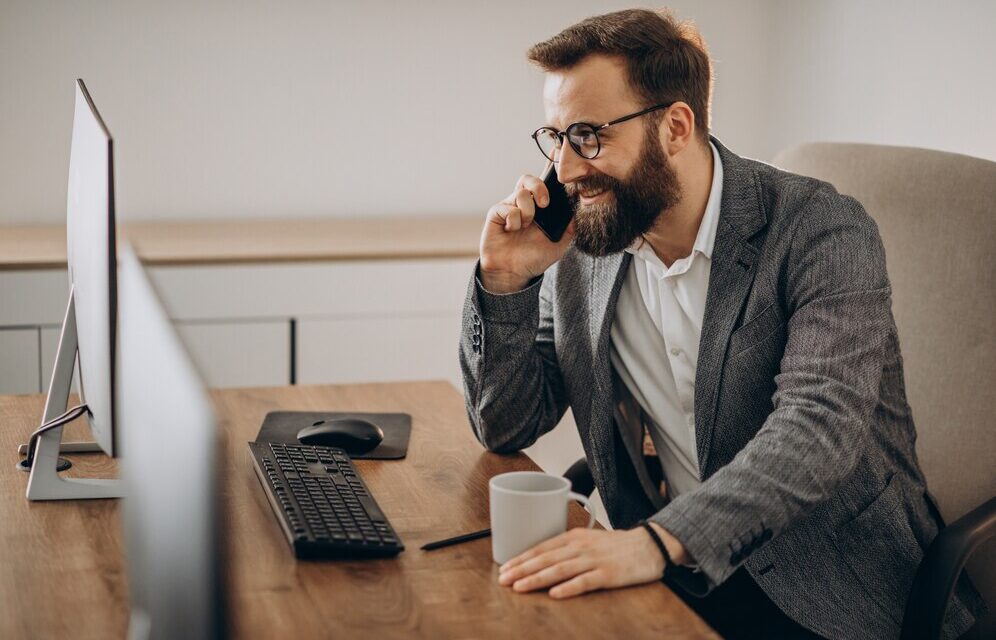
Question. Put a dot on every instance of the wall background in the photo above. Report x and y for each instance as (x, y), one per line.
(261, 108)
(268, 109)
(918, 73)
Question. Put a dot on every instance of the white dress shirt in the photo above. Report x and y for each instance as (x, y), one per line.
(655, 340)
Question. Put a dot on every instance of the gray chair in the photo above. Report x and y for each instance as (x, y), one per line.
(936, 212)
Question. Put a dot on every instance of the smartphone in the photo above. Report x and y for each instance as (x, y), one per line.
(554, 218)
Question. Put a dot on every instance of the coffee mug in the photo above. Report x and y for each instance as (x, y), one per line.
(528, 507)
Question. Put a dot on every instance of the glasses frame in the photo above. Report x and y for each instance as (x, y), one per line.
(566, 133)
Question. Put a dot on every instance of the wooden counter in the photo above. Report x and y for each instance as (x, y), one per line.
(24, 247)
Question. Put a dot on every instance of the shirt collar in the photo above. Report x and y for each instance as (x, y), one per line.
(705, 239)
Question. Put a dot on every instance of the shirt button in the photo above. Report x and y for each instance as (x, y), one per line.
(675, 352)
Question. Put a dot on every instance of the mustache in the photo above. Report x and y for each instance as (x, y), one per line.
(597, 182)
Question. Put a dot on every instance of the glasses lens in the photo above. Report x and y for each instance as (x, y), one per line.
(584, 140)
(548, 142)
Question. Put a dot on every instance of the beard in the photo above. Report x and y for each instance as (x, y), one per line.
(651, 188)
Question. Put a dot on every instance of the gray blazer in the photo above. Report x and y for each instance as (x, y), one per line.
(804, 436)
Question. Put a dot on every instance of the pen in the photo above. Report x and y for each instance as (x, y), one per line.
(467, 537)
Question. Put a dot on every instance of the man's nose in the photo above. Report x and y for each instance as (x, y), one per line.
(571, 166)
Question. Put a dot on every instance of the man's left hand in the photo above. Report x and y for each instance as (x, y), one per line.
(583, 560)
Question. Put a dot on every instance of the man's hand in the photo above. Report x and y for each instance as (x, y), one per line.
(583, 560)
(513, 249)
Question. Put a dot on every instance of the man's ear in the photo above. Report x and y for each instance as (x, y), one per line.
(677, 128)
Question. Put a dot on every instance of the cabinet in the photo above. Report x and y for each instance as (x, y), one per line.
(268, 324)
(239, 353)
(19, 356)
(380, 348)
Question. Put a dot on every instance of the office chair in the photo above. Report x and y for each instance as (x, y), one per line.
(935, 211)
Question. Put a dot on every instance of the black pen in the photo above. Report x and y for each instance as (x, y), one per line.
(467, 537)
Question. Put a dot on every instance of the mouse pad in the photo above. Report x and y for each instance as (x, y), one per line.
(282, 427)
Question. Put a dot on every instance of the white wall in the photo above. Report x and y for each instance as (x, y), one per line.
(313, 108)
(265, 109)
(918, 73)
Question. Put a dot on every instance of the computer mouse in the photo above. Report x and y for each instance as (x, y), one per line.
(355, 435)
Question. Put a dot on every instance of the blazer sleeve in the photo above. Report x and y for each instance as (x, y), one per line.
(838, 302)
(513, 387)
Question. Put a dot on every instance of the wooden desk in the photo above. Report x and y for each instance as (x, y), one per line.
(62, 571)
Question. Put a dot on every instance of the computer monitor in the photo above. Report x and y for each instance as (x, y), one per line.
(171, 471)
(90, 253)
(88, 330)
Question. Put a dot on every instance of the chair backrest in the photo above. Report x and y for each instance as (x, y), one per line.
(936, 212)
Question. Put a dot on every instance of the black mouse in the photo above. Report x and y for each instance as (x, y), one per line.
(355, 435)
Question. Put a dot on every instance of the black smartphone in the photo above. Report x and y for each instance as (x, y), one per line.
(554, 218)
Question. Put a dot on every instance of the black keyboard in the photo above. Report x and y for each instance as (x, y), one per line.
(324, 508)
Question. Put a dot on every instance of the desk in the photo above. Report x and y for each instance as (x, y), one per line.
(62, 571)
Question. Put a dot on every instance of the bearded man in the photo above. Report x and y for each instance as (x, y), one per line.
(736, 316)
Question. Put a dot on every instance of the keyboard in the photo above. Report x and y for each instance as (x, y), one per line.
(322, 504)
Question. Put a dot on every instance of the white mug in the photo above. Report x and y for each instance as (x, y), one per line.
(528, 507)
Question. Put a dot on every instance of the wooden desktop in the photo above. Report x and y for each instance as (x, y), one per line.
(62, 564)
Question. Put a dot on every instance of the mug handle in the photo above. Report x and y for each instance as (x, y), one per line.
(587, 503)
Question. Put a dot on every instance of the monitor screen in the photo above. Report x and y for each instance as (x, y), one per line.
(170, 467)
(91, 259)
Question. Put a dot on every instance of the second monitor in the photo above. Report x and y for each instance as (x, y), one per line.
(171, 467)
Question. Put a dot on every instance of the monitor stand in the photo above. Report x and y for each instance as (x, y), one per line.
(44, 482)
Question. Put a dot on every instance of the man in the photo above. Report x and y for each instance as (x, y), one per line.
(740, 316)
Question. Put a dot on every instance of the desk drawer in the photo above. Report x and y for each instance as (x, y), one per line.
(382, 287)
(242, 353)
(379, 348)
(19, 361)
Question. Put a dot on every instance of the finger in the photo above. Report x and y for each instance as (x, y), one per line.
(547, 545)
(535, 186)
(589, 581)
(513, 219)
(536, 564)
(555, 574)
(527, 207)
(499, 214)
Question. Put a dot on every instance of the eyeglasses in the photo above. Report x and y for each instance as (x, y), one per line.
(583, 137)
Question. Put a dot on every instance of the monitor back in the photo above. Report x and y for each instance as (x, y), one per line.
(170, 467)
(91, 259)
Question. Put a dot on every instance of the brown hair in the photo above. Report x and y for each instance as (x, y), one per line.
(667, 60)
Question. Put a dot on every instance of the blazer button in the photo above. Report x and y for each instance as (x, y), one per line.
(476, 338)
(735, 558)
(477, 319)
(477, 348)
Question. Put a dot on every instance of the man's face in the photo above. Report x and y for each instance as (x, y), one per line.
(618, 195)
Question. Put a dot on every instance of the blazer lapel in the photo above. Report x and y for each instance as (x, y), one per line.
(732, 271)
(607, 276)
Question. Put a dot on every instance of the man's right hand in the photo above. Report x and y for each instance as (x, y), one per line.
(513, 249)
